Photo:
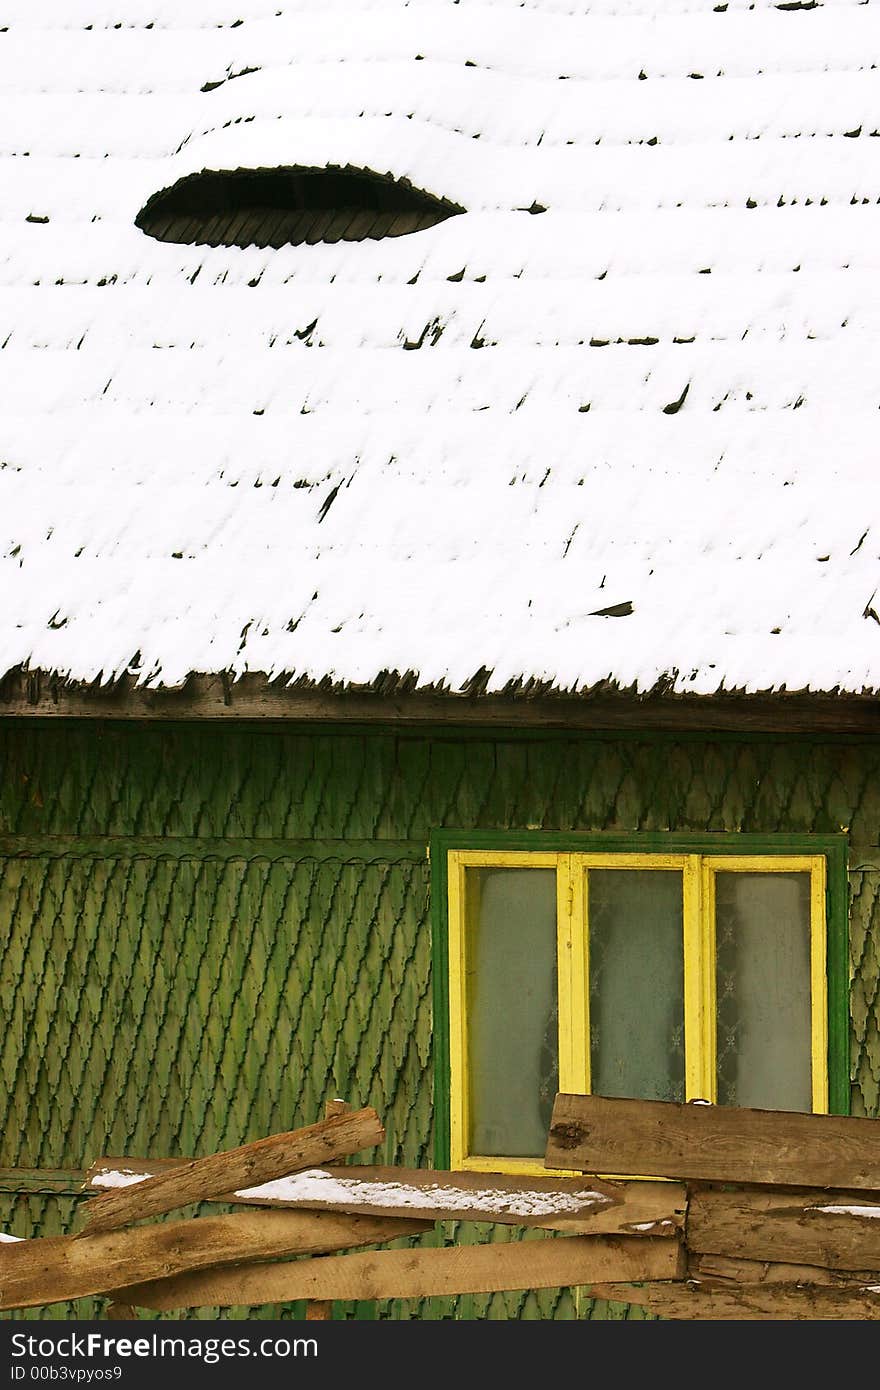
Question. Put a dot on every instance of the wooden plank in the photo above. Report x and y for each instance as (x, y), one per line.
(251, 1164)
(595, 1134)
(725, 1269)
(751, 1302)
(570, 1205)
(837, 1229)
(57, 1268)
(24, 694)
(533, 1264)
(594, 1207)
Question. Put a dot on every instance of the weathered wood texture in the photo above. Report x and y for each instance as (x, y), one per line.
(751, 1302)
(254, 696)
(717, 1143)
(58, 1268)
(724, 1270)
(838, 1229)
(587, 1205)
(533, 1264)
(251, 1164)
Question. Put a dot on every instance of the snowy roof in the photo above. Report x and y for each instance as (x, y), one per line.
(618, 422)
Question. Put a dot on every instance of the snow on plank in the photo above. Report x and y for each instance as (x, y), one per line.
(573, 1205)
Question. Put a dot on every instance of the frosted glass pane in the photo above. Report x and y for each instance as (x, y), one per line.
(636, 983)
(512, 1014)
(763, 988)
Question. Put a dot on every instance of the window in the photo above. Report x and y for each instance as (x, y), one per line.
(677, 969)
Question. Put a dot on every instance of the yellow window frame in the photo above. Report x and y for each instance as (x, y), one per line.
(572, 952)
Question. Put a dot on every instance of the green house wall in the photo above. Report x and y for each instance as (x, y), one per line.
(206, 932)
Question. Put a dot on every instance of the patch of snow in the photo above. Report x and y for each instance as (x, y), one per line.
(314, 1184)
(835, 1210)
(122, 1177)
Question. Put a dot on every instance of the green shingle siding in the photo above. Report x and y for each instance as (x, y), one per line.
(205, 932)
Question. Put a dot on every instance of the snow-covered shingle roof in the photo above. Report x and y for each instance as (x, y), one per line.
(617, 422)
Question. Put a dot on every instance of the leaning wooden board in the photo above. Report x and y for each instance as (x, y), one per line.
(264, 1160)
(595, 1134)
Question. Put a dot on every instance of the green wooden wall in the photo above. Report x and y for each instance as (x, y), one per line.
(205, 932)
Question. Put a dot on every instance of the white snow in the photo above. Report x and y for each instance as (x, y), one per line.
(313, 1184)
(169, 445)
(848, 1210)
(119, 1178)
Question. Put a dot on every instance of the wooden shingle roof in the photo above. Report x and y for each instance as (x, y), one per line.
(614, 426)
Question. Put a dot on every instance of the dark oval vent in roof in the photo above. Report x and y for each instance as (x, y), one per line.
(289, 206)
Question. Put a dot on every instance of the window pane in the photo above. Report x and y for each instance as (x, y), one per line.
(763, 987)
(512, 1009)
(636, 983)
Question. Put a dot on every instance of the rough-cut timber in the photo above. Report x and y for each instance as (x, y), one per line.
(573, 1205)
(749, 1303)
(55, 1269)
(836, 1229)
(259, 1162)
(726, 1270)
(533, 1264)
(594, 1134)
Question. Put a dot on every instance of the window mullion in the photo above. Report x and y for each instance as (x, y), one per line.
(699, 981)
(572, 974)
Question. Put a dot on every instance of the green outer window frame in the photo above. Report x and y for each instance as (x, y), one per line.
(833, 847)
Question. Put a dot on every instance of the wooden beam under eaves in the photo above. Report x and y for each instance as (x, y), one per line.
(30, 694)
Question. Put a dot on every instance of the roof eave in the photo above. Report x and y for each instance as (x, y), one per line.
(255, 697)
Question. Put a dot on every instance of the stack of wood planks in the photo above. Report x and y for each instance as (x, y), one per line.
(263, 1254)
(782, 1210)
(750, 1214)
